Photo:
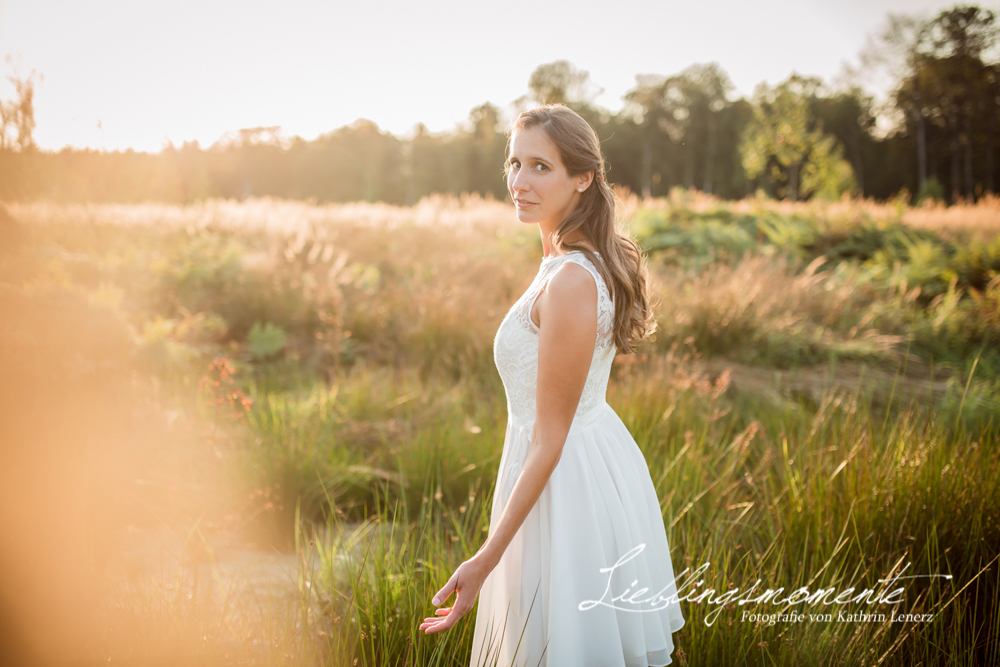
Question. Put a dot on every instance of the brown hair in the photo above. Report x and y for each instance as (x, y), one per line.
(622, 263)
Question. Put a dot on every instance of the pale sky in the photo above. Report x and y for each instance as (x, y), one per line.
(151, 71)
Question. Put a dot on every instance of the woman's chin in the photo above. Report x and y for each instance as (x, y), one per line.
(527, 217)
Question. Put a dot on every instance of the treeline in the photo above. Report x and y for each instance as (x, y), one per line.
(799, 139)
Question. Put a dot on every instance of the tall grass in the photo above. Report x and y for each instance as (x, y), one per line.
(818, 408)
(827, 497)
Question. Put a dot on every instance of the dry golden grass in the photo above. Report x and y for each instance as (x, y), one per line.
(700, 202)
(280, 216)
(979, 221)
(962, 222)
(764, 307)
(428, 284)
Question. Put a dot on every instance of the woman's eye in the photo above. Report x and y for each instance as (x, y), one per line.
(541, 167)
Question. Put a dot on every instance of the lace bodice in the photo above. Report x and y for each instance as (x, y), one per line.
(515, 348)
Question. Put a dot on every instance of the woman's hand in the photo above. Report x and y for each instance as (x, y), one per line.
(465, 583)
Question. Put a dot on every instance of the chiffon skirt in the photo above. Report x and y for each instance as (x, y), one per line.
(587, 579)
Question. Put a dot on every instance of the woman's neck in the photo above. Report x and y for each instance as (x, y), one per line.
(548, 247)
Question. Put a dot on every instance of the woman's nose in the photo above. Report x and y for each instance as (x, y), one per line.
(519, 183)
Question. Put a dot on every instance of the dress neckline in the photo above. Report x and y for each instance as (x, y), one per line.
(550, 257)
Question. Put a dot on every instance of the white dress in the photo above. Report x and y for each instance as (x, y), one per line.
(548, 602)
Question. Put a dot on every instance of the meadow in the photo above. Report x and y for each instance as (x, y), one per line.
(188, 392)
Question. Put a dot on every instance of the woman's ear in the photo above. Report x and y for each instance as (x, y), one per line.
(585, 180)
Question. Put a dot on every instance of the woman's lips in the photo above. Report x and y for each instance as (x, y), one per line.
(523, 204)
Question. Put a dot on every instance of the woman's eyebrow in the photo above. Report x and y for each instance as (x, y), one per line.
(533, 157)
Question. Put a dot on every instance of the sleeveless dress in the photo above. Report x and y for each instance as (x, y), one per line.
(587, 579)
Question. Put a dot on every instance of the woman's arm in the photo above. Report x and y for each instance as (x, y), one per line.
(567, 315)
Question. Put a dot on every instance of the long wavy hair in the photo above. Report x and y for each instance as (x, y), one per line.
(622, 262)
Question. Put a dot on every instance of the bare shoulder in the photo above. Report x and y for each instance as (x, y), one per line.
(572, 292)
(572, 281)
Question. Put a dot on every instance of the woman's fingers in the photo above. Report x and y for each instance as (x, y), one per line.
(436, 623)
(445, 592)
(445, 619)
(439, 624)
(466, 588)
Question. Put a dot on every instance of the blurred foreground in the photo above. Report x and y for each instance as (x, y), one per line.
(265, 432)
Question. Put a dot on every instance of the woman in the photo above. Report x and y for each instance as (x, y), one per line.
(576, 569)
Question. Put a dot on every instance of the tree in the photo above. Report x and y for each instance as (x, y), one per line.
(485, 120)
(484, 149)
(898, 49)
(847, 115)
(961, 84)
(646, 103)
(705, 91)
(17, 117)
(944, 90)
(963, 31)
(680, 115)
(560, 82)
(784, 141)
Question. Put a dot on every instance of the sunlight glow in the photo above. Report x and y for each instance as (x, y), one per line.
(119, 73)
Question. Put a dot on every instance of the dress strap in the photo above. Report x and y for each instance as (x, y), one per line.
(605, 302)
(577, 257)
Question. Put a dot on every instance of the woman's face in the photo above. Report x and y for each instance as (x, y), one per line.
(537, 181)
